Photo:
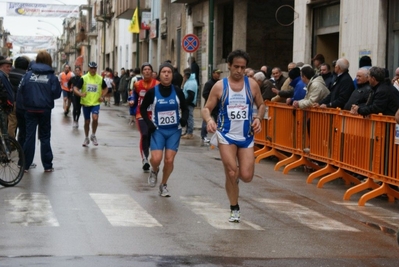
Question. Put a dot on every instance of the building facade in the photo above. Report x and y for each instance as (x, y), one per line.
(274, 33)
(350, 29)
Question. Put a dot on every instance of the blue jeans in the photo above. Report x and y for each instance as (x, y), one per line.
(43, 120)
(190, 121)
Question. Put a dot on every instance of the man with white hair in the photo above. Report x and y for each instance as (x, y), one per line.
(360, 95)
(265, 86)
(341, 89)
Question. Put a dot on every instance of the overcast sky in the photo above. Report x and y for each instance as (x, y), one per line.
(29, 25)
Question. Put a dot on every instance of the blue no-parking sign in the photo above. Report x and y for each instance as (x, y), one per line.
(190, 43)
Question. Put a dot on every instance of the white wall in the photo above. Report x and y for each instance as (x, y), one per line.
(123, 40)
(362, 27)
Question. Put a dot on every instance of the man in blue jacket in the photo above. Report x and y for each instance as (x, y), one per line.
(39, 88)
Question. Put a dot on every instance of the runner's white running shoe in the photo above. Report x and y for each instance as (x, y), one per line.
(163, 190)
(234, 216)
(86, 142)
(152, 179)
(93, 138)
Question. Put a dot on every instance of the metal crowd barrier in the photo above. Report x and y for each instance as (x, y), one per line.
(336, 144)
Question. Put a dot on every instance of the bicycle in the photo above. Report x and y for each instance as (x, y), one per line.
(12, 158)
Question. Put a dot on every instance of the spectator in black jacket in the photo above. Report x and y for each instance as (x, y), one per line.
(177, 78)
(21, 65)
(117, 95)
(205, 94)
(383, 98)
(341, 89)
(77, 107)
(265, 86)
(361, 94)
(122, 88)
(325, 72)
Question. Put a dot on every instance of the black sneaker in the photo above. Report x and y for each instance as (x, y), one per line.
(146, 165)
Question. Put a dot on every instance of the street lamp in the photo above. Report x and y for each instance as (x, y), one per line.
(52, 34)
(51, 25)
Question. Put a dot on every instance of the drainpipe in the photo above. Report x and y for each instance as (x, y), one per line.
(137, 37)
(210, 45)
(104, 31)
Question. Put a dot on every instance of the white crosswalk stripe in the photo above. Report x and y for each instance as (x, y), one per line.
(122, 210)
(305, 216)
(372, 211)
(216, 216)
(33, 209)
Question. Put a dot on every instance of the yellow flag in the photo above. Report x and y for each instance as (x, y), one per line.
(134, 23)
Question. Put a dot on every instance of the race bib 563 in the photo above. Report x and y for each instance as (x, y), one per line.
(238, 112)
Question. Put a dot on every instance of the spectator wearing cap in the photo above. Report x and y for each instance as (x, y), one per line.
(7, 93)
(170, 113)
(317, 60)
(17, 117)
(39, 88)
(205, 94)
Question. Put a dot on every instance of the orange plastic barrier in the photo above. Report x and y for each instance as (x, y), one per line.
(345, 144)
(265, 138)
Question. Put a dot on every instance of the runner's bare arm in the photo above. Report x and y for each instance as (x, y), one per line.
(258, 100)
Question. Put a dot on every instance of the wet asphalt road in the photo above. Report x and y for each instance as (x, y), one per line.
(96, 209)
